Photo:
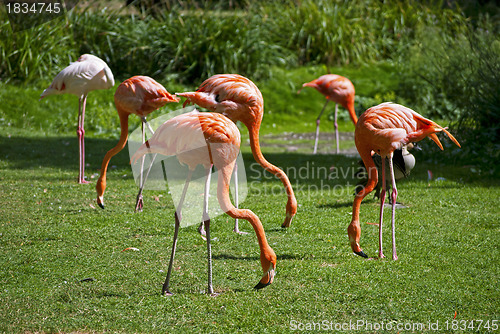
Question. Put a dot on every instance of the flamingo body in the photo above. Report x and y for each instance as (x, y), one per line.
(186, 136)
(79, 78)
(207, 139)
(338, 89)
(239, 99)
(138, 95)
(384, 129)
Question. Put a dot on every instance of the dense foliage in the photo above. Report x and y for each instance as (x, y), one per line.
(447, 56)
(197, 43)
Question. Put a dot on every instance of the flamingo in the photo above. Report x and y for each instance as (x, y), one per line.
(338, 89)
(383, 129)
(207, 139)
(239, 99)
(87, 73)
(139, 95)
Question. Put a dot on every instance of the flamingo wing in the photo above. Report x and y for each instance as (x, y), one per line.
(80, 77)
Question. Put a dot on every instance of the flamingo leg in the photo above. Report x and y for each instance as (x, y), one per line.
(382, 202)
(201, 228)
(394, 196)
(139, 200)
(206, 221)
(139, 203)
(336, 125)
(317, 128)
(178, 216)
(236, 200)
(80, 132)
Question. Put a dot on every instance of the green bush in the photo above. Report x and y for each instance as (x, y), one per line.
(458, 79)
(189, 46)
(248, 37)
(39, 52)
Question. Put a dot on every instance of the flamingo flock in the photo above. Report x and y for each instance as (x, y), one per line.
(212, 139)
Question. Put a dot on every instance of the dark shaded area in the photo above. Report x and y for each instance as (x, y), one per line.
(27, 14)
(303, 170)
(57, 152)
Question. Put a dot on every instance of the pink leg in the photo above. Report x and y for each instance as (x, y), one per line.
(201, 228)
(393, 197)
(317, 128)
(236, 199)
(206, 222)
(139, 203)
(336, 127)
(165, 289)
(80, 132)
(382, 202)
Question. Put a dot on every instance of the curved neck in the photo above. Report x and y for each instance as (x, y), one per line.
(253, 131)
(228, 207)
(371, 169)
(352, 112)
(101, 183)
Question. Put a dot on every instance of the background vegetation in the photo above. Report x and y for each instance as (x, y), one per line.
(440, 50)
(63, 265)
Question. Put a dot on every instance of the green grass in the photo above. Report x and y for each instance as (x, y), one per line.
(53, 238)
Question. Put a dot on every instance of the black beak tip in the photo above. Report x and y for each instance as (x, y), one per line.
(362, 254)
(261, 285)
(101, 205)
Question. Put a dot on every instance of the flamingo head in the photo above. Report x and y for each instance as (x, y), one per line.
(232, 95)
(100, 188)
(291, 210)
(312, 84)
(203, 99)
(354, 233)
(268, 261)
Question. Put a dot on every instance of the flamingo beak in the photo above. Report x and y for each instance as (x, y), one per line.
(202, 99)
(287, 222)
(362, 254)
(100, 201)
(356, 248)
(267, 279)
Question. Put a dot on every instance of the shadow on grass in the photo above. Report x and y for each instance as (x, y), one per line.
(25, 152)
(337, 205)
(57, 152)
(280, 257)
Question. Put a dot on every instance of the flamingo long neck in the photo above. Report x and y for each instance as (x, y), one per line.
(352, 112)
(253, 130)
(354, 228)
(101, 183)
(371, 168)
(228, 207)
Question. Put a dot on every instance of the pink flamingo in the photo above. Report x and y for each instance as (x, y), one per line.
(207, 139)
(383, 129)
(239, 99)
(79, 78)
(338, 89)
(139, 95)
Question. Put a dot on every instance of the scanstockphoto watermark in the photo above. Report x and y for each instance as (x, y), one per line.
(362, 325)
(399, 326)
(309, 178)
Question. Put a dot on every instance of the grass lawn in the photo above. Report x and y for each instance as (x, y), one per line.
(64, 268)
